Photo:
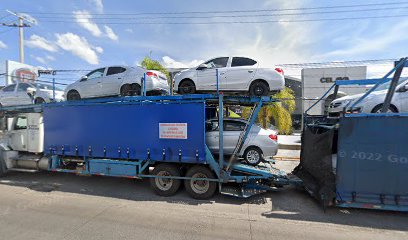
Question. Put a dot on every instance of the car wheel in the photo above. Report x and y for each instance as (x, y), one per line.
(3, 166)
(200, 189)
(126, 90)
(165, 186)
(378, 109)
(73, 95)
(39, 101)
(253, 156)
(187, 87)
(136, 89)
(258, 88)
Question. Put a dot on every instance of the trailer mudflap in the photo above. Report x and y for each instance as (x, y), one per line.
(315, 168)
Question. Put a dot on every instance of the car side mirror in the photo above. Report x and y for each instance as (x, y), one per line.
(84, 78)
(202, 66)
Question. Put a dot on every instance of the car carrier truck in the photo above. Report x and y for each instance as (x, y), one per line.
(157, 137)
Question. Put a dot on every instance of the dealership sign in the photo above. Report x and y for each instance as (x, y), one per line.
(20, 72)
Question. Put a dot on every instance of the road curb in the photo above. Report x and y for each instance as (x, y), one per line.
(289, 146)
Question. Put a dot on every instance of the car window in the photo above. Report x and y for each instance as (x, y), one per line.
(217, 62)
(234, 126)
(115, 70)
(21, 123)
(241, 61)
(22, 87)
(96, 73)
(9, 88)
(211, 126)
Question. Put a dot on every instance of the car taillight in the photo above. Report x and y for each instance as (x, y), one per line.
(279, 70)
(150, 74)
(273, 137)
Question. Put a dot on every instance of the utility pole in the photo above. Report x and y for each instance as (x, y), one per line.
(21, 25)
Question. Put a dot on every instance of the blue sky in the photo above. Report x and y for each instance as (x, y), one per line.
(87, 45)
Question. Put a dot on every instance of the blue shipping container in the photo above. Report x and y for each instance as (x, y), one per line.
(173, 132)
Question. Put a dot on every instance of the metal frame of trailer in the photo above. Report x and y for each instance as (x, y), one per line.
(249, 180)
(359, 181)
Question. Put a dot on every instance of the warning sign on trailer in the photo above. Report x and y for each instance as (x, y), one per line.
(173, 130)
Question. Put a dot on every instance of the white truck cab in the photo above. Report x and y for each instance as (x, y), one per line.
(25, 133)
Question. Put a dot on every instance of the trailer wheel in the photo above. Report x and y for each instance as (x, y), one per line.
(3, 167)
(165, 186)
(200, 189)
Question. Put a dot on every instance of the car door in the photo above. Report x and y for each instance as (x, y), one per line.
(212, 136)
(90, 86)
(111, 83)
(206, 77)
(18, 135)
(21, 94)
(241, 73)
(7, 95)
(232, 131)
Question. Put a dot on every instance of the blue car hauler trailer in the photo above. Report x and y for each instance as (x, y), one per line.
(358, 160)
(156, 137)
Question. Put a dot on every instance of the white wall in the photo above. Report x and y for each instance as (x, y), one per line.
(314, 88)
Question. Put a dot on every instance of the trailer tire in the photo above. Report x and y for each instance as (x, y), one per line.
(162, 186)
(3, 167)
(200, 189)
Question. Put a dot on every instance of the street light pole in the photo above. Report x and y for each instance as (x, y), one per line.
(21, 34)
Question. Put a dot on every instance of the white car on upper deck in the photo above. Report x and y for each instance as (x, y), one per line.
(117, 80)
(236, 74)
(374, 101)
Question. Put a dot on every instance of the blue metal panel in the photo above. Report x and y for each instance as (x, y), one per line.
(125, 131)
(372, 162)
(112, 168)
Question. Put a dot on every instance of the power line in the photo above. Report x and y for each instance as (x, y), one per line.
(238, 22)
(237, 11)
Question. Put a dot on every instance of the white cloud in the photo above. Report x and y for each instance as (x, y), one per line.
(2, 45)
(83, 18)
(79, 47)
(171, 63)
(98, 5)
(50, 58)
(129, 30)
(110, 34)
(40, 59)
(36, 41)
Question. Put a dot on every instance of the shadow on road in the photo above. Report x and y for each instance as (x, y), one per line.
(289, 204)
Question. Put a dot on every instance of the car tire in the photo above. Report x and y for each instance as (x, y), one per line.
(165, 186)
(39, 100)
(200, 189)
(377, 109)
(187, 87)
(259, 88)
(126, 90)
(136, 89)
(73, 95)
(253, 156)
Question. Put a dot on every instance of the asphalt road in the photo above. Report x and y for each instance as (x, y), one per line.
(63, 206)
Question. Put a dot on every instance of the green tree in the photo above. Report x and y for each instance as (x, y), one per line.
(151, 64)
(278, 113)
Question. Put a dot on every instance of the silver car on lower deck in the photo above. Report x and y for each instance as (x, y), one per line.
(260, 144)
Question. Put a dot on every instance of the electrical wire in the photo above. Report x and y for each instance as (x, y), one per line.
(237, 11)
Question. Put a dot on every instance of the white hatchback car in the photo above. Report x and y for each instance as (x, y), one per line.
(260, 144)
(117, 80)
(236, 74)
(22, 93)
(374, 101)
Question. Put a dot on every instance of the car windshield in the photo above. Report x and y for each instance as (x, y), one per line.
(45, 86)
(386, 85)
